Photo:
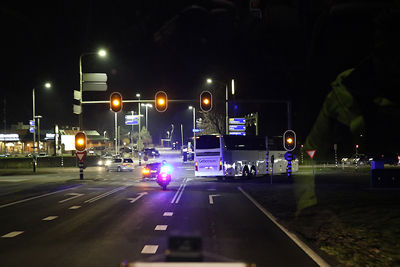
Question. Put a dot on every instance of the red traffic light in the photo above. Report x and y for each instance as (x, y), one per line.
(116, 102)
(206, 101)
(161, 101)
(289, 140)
(80, 141)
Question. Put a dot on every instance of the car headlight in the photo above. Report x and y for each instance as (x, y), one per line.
(100, 162)
(108, 162)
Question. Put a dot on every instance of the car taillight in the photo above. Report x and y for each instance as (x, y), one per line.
(196, 167)
(145, 171)
(220, 165)
(124, 164)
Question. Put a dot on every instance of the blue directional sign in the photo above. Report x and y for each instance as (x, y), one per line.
(237, 133)
(237, 127)
(197, 130)
(131, 119)
(31, 123)
(31, 129)
(237, 121)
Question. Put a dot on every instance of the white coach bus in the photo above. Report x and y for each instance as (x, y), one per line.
(230, 155)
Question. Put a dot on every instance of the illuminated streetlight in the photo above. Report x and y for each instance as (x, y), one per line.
(102, 53)
(209, 80)
(47, 85)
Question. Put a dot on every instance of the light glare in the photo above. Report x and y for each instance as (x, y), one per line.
(102, 53)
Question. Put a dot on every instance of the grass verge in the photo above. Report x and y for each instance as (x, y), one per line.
(337, 213)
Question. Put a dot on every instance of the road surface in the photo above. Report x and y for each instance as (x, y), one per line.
(108, 218)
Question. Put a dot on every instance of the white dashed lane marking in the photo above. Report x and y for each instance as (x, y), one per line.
(161, 227)
(12, 234)
(149, 249)
(168, 213)
(74, 207)
(50, 218)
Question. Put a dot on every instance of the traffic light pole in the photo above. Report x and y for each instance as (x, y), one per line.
(226, 111)
(116, 132)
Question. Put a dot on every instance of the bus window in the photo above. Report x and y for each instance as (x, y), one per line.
(207, 142)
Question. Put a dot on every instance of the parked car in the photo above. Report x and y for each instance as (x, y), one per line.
(151, 170)
(359, 159)
(151, 152)
(387, 158)
(120, 164)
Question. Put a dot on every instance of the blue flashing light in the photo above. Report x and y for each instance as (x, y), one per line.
(166, 169)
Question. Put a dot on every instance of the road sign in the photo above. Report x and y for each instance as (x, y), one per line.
(77, 109)
(311, 153)
(237, 127)
(92, 86)
(31, 129)
(31, 123)
(131, 119)
(77, 95)
(94, 82)
(94, 77)
(237, 121)
(237, 133)
(80, 155)
(197, 130)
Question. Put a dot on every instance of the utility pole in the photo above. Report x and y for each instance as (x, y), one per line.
(116, 133)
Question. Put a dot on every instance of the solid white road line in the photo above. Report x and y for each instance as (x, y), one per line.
(311, 253)
(74, 195)
(74, 207)
(32, 198)
(176, 194)
(161, 227)
(50, 218)
(210, 198)
(12, 234)
(180, 194)
(149, 249)
(104, 194)
(168, 214)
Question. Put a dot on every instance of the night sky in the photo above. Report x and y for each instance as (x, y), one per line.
(173, 46)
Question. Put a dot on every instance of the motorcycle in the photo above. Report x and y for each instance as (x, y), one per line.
(164, 177)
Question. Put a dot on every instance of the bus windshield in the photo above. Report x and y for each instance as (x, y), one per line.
(207, 142)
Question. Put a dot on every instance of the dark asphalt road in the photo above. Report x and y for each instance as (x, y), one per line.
(56, 220)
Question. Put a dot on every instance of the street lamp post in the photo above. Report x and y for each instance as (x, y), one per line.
(101, 53)
(210, 81)
(147, 106)
(139, 137)
(34, 162)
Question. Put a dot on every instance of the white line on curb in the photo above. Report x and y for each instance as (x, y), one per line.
(311, 253)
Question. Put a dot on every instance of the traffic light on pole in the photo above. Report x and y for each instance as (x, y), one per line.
(161, 101)
(80, 141)
(206, 101)
(289, 140)
(116, 102)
